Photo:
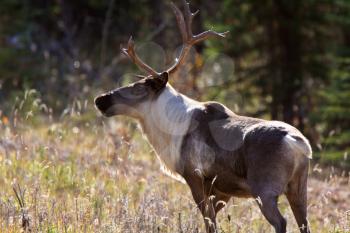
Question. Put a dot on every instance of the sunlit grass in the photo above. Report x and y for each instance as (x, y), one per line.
(103, 177)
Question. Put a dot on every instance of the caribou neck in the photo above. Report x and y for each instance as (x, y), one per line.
(165, 122)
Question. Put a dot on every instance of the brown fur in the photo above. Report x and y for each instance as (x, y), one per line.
(259, 165)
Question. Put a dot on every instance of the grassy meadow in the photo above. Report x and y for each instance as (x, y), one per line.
(99, 175)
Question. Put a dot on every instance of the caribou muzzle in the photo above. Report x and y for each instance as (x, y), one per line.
(104, 103)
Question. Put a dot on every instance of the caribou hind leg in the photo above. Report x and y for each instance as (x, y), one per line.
(267, 202)
(267, 184)
(266, 194)
(297, 198)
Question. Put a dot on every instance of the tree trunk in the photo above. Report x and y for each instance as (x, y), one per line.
(289, 39)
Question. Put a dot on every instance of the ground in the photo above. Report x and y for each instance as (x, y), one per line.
(103, 177)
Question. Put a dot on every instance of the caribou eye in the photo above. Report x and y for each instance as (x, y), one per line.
(138, 90)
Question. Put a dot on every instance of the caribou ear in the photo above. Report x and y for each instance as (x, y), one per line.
(159, 82)
(164, 76)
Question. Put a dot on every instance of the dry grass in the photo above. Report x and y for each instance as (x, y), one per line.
(89, 177)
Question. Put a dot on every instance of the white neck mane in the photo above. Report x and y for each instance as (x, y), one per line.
(165, 122)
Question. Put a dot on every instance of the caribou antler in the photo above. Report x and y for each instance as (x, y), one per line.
(188, 39)
(130, 52)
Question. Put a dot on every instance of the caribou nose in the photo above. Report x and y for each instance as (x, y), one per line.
(103, 103)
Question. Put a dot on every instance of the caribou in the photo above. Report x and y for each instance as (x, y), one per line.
(217, 152)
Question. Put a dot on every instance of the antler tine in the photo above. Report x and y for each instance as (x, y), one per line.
(189, 16)
(185, 34)
(140, 76)
(188, 39)
(130, 52)
(180, 22)
(207, 34)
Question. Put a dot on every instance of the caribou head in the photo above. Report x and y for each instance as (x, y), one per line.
(132, 99)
